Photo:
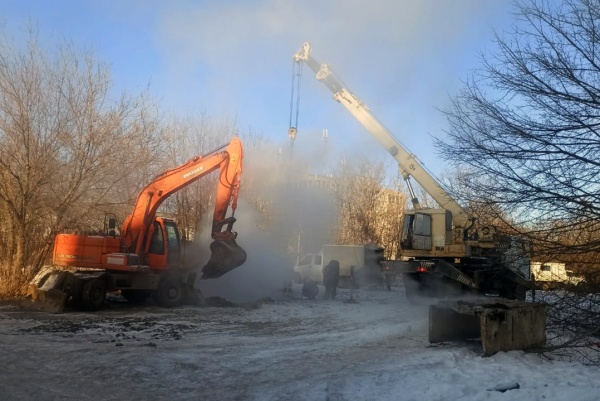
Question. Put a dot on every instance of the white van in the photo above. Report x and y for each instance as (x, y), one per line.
(553, 275)
(361, 260)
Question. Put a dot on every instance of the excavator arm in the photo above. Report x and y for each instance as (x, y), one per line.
(225, 253)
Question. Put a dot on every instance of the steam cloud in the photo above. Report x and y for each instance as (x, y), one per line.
(298, 216)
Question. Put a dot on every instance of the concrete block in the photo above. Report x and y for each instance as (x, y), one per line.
(502, 324)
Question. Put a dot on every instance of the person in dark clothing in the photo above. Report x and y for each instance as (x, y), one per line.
(331, 276)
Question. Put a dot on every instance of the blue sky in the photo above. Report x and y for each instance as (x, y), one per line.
(403, 58)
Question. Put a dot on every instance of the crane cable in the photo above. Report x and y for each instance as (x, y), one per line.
(296, 85)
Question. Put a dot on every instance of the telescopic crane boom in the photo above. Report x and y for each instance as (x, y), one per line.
(408, 163)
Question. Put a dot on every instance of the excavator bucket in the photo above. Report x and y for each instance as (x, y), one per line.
(45, 292)
(226, 255)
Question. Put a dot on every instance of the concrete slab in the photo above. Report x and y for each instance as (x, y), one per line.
(502, 324)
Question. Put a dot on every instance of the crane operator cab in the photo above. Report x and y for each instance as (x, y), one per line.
(423, 230)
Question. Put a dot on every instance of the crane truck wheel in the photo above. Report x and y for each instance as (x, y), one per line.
(93, 294)
(170, 293)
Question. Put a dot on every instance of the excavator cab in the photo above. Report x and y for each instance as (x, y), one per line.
(165, 248)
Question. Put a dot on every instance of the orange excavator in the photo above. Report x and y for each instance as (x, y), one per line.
(145, 260)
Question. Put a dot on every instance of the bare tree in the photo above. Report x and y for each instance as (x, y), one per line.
(370, 212)
(527, 122)
(527, 126)
(390, 211)
(66, 145)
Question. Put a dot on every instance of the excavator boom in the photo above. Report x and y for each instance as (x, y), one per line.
(225, 253)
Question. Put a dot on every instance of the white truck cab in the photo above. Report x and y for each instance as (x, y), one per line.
(310, 267)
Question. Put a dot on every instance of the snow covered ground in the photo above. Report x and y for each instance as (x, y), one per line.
(289, 349)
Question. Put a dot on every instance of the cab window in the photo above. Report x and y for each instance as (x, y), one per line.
(423, 224)
(157, 243)
(172, 242)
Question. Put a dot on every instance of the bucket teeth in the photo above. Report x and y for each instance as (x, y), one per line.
(226, 255)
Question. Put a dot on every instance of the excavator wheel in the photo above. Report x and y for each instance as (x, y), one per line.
(170, 293)
(93, 294)
(226, 255)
